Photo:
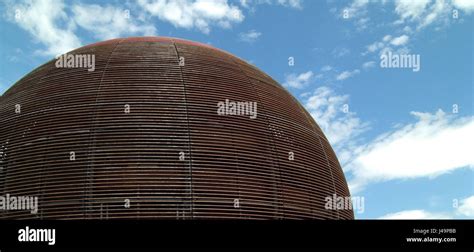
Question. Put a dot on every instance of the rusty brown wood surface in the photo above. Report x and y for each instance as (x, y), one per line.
(136, 156)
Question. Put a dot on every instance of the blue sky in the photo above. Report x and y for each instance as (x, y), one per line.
(404, 138)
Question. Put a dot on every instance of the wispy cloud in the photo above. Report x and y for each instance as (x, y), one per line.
(295, 4)
(417, 214)
(54, 24)
(298, 80)
(411, 10)
(250, 36)
(436, 144)
(42, 19)
(326, 68)
(465, 5)
(389, 43)
(347, 74)
(411, 17)
(464, 210)
(466, 207)
(200, 14)
(424, 13)
(109, 21)
(333, 115)
(433, 145)
(419, 13)
(340, 52)
(368, 64)
(356, 11)
(399, 41)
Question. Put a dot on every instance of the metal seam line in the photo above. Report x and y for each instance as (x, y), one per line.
(92, 136)
(272, 140)
(189, 131)
(330, 171)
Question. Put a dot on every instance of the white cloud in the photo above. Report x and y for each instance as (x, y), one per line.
(417, 214)
(416, 13)
(464, 210)
(326, 68)
(356, 8)
(436, 144)
(357, 11)
(54, 24)
(250, 36)
(386, 44)
(41, 19)
(245, 3)
(298, 81)
(347, 74)
(438, 12)
(327, 109)
(108, 22)
(398, 41)
(375, 46)
(465, 5)
(409, 9)
(386, 38)
(340, 52)
(466, 207)
(291, 3)
(423, 13)
(368, 64)
(295, 4)
(362, 23)
(17, 56)
(433, 145)
(200, 14)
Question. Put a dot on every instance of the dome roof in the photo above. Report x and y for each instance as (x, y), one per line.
(154, 127)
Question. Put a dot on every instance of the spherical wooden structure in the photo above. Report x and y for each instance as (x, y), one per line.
(141, 136)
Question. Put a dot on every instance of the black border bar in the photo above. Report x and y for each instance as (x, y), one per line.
(240, 234)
